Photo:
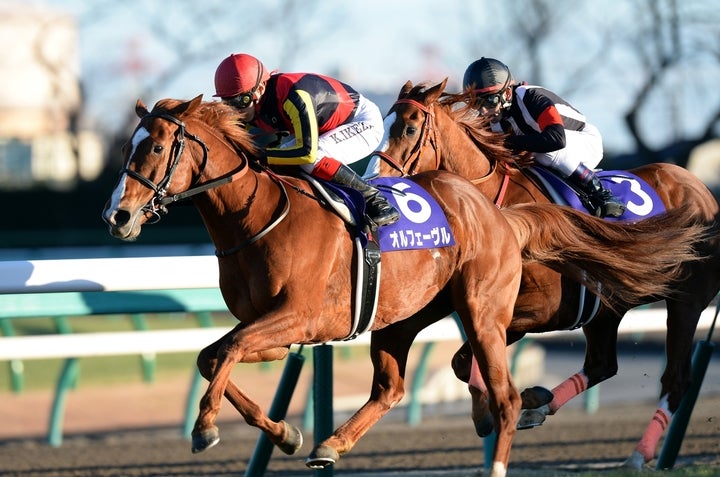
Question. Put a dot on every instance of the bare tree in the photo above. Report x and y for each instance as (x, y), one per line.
(664, 55)
(672, 41)
(191, 39)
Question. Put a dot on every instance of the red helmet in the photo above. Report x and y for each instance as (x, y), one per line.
(238, 74)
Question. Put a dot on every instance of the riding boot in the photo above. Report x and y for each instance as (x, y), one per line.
(600, 201)
(377, 208)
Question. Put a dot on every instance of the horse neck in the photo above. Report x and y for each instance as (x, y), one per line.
(236, 211)
(458, 153)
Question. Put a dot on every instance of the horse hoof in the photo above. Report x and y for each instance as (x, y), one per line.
(321, 457)
(635, 461)
(530, 418)
(292, 441)
(205, 439)
(536, 396)
(484, 426)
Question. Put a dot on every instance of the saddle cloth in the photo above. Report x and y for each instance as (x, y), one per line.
(640, 199)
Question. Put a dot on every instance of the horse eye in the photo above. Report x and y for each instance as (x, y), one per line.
(157, 149)
(410, 131)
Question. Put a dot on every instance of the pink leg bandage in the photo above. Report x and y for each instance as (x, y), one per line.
(476, 379)
(654, 431)
(568, 389)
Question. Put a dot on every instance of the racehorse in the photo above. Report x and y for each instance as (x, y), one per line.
(427, 129)
(285, 261)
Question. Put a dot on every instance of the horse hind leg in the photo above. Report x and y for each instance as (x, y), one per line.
(389, 352)
(682, 323)
(600, 365)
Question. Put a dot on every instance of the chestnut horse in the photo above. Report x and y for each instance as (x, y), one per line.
(285, 262)
(427, 129)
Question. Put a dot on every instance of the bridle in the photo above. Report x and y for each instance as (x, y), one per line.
(428, 133)
(157, 206)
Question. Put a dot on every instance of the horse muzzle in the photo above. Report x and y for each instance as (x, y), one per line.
(123, 224)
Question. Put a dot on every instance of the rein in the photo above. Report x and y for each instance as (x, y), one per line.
(263, 232)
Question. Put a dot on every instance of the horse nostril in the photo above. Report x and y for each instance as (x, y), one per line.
(121, 217)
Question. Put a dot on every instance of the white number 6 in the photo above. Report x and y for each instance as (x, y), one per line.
(403, 201)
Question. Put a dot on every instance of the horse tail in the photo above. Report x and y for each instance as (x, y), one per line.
(631, 260)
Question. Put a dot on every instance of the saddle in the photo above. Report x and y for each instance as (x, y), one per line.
(640, 199)
(422, 225)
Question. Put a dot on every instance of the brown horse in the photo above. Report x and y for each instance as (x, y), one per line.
(285, 262)
(427, 129)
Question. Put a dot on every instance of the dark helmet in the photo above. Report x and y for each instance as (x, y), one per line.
(487, 75)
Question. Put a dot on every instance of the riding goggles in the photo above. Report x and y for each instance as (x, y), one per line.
(240, 101)
(489, 101)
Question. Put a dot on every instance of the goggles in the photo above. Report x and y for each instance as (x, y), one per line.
(489, 101)
(240, 101)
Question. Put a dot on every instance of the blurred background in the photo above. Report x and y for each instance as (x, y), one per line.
(644, 71)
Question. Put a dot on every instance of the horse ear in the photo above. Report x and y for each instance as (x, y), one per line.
(432, 94)
(140, 108)
(405, 89)
(187, 107)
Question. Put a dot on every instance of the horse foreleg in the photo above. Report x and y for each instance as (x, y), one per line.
(205, 434)
(503, 397)
(389, 351)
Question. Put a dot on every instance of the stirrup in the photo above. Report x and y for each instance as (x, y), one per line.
(381, 212)
(612, 208)
(387, 218)
(608, 205)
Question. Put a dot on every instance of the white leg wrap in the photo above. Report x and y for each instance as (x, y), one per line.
(498, 470)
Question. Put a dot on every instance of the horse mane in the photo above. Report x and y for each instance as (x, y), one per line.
(219, 117)
(491, 144)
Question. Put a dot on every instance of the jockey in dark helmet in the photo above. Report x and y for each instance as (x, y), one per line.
(330, 124)
(541, 122)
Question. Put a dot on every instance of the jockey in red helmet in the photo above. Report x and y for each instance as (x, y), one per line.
(330, 124)
(543, 123)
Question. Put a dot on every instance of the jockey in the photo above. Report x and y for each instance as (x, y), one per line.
(543, 123)
(330, 124)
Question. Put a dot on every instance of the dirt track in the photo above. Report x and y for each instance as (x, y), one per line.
(135, 430)
(569, 442)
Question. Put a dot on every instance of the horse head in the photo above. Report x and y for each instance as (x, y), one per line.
(163, 162)
(410, 131)
(429, 129)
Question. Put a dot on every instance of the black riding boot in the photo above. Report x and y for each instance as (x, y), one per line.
(377, 208)
(600, 201)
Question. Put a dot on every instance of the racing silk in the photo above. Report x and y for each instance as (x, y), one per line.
(307, 105)
(539, 119)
